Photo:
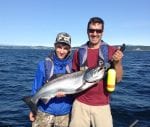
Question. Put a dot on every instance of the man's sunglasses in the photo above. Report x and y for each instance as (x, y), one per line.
(95, 30)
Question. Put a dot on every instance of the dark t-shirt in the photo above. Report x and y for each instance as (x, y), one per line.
(96, 95)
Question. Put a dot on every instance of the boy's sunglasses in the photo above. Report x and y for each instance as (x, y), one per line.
(95, 30)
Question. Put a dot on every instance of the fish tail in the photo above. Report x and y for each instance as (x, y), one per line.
(32, 106)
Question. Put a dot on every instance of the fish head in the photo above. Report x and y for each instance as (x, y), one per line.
(94, 75)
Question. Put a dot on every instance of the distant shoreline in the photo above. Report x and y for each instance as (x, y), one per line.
(128, 47)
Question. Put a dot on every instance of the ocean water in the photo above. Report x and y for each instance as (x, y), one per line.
(129, 103)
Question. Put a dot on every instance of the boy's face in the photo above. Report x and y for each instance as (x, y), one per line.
(62, 50)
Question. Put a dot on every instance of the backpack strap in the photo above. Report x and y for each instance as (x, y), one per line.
(49, 68)
(69, 65)
(103, 52)
(82, 55)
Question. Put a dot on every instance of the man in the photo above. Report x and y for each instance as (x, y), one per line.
(56, 113)
(91, 107)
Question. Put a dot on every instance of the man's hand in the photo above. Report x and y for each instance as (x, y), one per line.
(117, 56)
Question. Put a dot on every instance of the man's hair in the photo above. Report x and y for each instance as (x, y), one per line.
(94, 20)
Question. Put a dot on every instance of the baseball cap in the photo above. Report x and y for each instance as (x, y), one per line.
(63, 38)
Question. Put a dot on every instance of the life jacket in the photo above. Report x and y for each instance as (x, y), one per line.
(49, 66)
(82, 55)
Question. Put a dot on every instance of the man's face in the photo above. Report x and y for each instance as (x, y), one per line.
(95, 32)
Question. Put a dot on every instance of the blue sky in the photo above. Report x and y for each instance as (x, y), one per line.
(37, 22)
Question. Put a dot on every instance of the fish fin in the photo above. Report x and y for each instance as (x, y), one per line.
(85, 85)
(32, 106)
(81, 87)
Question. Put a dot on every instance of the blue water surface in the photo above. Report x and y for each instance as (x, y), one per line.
(129, 102)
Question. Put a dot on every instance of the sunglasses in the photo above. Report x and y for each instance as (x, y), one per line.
(95, 30)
